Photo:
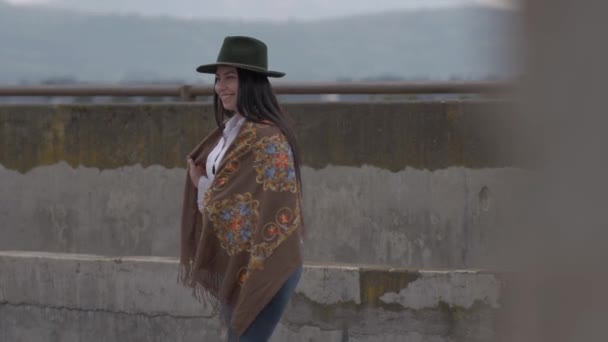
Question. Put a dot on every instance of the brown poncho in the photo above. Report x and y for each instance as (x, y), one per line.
(246, 242)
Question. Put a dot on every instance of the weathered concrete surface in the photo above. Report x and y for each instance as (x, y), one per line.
(69, 297)
(127, 211)
(392, 136)
(411, 218)
(419, 185)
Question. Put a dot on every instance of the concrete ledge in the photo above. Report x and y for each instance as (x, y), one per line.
(74, 297)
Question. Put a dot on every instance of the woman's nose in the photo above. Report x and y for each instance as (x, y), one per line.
(220, 84)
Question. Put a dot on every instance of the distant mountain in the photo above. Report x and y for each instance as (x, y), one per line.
(270, 10)
(469, 42)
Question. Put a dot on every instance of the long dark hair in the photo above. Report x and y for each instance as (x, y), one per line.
(256, 102)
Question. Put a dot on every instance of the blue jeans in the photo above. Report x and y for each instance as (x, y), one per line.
(266, 321)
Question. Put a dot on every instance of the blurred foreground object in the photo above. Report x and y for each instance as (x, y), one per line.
(560, 250)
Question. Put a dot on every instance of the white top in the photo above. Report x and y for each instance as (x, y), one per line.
(231, 130)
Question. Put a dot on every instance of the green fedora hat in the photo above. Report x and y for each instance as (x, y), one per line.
(242, 52)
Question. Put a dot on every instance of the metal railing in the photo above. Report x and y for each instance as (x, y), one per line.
(189, 92)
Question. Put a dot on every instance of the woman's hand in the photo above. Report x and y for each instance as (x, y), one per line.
(195, 171)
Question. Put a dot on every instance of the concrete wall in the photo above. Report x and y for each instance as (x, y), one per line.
(46, 297)
(403, 184)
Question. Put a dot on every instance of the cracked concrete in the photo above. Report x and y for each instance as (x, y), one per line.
(460, 289)
(138, 314)
(27, 323)
(75, 290)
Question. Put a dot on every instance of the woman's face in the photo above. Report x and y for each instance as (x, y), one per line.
(227, 86)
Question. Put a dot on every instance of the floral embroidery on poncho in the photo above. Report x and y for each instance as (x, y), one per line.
(246, 242)
(274, 164)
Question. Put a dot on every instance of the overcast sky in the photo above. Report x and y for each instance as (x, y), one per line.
(279, 10)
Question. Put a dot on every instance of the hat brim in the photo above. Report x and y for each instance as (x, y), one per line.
(212, 68)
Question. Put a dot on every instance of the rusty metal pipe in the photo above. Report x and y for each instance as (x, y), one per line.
(188, 92)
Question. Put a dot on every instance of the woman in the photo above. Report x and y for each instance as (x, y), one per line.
(242, 215)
